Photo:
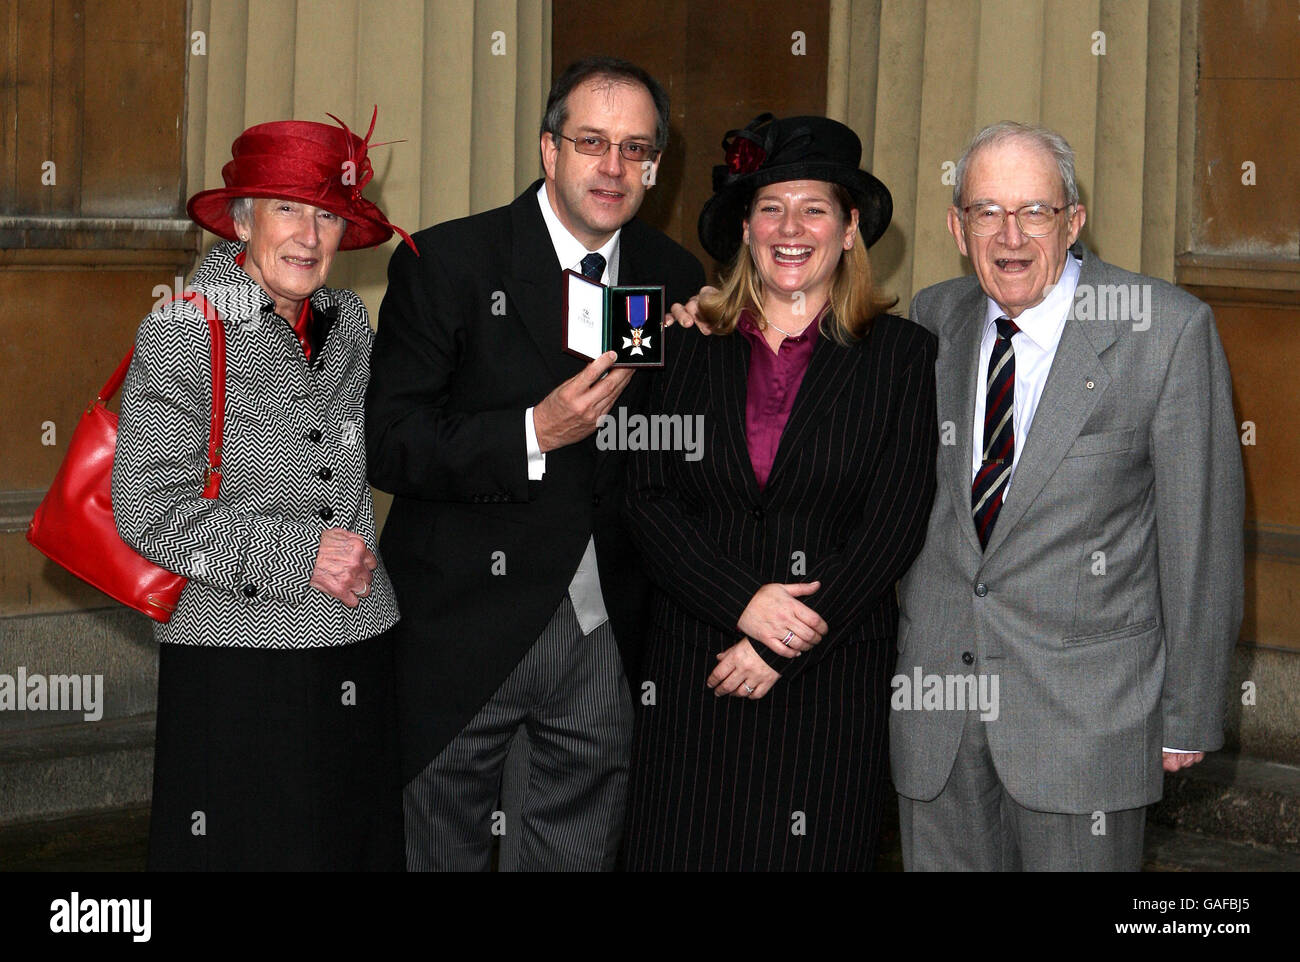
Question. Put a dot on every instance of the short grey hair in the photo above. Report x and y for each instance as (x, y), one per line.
(1006, 130)
(241, 211)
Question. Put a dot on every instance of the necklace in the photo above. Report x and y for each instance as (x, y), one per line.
(785, 332)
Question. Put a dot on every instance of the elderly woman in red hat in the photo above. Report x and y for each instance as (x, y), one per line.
(775, 551)
(275, 694)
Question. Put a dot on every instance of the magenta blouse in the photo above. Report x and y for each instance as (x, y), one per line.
(773, 384)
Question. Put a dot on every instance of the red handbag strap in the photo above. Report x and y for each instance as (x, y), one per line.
(216, 421)
(115, 379)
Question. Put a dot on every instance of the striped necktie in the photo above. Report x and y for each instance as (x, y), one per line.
(999, 433)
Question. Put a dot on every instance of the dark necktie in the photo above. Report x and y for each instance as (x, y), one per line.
(593, 267)
(999, 433)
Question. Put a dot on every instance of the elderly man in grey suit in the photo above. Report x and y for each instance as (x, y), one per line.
(1064, 635)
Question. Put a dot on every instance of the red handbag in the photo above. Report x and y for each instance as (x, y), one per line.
(73, 525)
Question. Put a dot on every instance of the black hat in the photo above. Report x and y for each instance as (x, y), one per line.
(770, 151)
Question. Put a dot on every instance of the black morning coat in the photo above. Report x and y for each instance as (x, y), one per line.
(469, 337)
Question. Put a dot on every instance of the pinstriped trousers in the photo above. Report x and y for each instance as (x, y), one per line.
(568, 695)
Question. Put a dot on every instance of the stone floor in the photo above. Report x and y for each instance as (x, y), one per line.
(108, 842)
(116, 842)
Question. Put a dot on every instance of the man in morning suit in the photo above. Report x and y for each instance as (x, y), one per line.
(1085, 545)
(522, 598)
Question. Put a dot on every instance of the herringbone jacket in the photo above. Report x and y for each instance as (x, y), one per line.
(293, 464)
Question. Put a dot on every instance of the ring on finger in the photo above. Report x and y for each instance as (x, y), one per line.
(750, 689)
(788, 636)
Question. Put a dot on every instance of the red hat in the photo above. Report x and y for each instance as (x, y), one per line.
(300, 160)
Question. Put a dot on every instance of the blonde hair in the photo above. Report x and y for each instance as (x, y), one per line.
(853, 299)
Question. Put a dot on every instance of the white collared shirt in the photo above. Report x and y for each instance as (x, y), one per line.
(584, 589)
(570, 252)
(1035, 347)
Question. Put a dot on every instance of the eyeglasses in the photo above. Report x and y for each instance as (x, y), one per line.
(633, 150)
(1034, 220)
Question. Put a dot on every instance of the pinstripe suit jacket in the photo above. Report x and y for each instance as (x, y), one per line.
(1109, 596)
(250, 552)
(845, 503)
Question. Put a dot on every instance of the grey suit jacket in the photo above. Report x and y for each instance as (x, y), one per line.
(1109, 597)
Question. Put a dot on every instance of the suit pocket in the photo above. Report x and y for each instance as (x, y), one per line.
(1114, 634)
(1103, 442)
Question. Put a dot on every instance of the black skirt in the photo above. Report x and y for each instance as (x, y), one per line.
(280, 760)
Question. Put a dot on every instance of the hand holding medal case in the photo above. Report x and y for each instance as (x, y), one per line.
(629, 320)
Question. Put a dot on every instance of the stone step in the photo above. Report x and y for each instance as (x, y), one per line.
(113, 643)
(116, 840)
(1236, 798)
(1169, 850)
(63, 788)
(1269, 727)
(66, 770)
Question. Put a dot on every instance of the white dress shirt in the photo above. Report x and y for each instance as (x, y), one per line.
(584, 590)
(1035, 347)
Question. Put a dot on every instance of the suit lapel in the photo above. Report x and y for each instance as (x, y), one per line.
(957, 373)
(728, 381)
(535, 285)
(629, 264)
(1075, 384)
(828, 372)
